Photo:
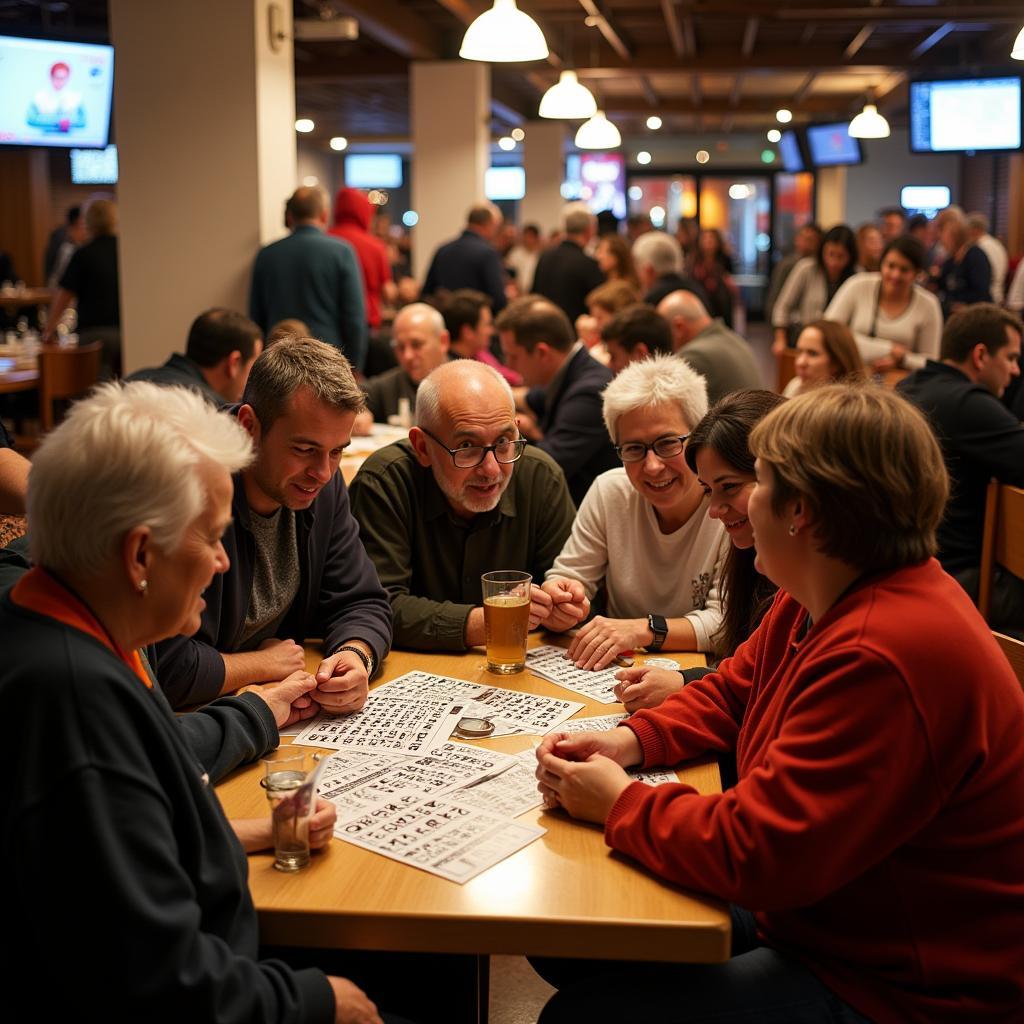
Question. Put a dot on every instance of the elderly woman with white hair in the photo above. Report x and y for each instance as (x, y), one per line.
(642, 534)
(128, 883)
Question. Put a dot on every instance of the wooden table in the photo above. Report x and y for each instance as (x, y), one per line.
(566, 894)
(11, 302)
(361, 448)
(18, 380)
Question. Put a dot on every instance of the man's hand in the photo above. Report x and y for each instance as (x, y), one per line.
(282, 658)
(290, 700)
(351, 1004)
(341, 683)
(597, 643)
(646, 687)
(569, 604)
(584, 772)
(321, 824)
(540, 606)
(256, 834)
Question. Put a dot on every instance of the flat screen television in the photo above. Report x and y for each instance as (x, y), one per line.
(831, 145)
(965, 115)
(790, 153)
(94, 166)
(504, 183)
(54, 93)
(373, 170)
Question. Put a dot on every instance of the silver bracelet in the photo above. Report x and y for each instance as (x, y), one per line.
(366, 659)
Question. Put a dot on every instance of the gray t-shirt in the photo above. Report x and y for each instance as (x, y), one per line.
(275, 579)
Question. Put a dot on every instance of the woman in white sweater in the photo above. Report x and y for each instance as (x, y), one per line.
(894, 321)
(643, 533)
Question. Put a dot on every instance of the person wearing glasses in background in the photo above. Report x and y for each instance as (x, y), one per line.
(643, 534)
(463, 495)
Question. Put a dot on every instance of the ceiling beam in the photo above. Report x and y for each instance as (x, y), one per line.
(774, 11)
(805, 87)
(695, 90)
(932, 39)
(858, 41)
(689, 36)
(749, 36)
(649, 94)
(322, 70)
(612, 36)
(747, 104)
(395, 27)
(737, 91)
(675, 31)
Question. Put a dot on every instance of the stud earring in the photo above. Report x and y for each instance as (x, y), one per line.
(792, 529)
(143, 587)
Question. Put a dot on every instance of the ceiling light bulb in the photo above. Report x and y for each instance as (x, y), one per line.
(507, 143)
(783, 116)
(518, 134)
(1017, 53)
(338, 143)
(654, 122)
(504, 34)
(643, 157)
(869, 124)
(304, 125)
(774, 135)
(568, 99)
(703, 156)
(598, 133)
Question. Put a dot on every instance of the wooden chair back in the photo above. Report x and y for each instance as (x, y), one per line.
(1014, 651)
(787, 368)
(65, 373)
(1002, 541)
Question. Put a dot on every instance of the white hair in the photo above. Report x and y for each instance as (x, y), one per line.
(461, 374)
(421, 312)
(661, 380)
(577, 218)
(126, 456)
(659, 250)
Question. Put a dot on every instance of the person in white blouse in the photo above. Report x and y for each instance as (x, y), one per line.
(1015, 293)
(895, 321)
(642, 533)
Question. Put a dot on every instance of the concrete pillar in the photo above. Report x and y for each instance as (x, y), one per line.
(544, 163)
(450, 117)
(204, 102)
(830, 197)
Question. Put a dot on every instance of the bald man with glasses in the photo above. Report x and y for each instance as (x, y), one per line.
(463, 495)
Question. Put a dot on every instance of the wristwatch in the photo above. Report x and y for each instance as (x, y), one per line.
(659, 627)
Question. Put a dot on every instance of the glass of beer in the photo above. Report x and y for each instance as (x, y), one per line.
(506, 619)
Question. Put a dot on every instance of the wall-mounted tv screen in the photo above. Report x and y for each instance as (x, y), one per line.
(54, 94)
(925, 198)
(790, 153)
(965, 115)
(504, 183)
(94, 166)
(831, 145)
(373, 170)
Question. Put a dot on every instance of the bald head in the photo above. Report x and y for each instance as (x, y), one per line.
(419, 340)
(458, 386)
(686, 315)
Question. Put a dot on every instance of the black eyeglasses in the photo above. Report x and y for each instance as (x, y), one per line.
(505, 451)
(664, 448)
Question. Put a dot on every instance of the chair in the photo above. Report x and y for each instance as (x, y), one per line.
(1014, 651)
(787, 368)
(65, 373)
(1002, 542)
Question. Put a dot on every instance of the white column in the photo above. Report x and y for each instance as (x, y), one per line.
(544, 163)
(830, 196)
(204, 104)
(450, 117)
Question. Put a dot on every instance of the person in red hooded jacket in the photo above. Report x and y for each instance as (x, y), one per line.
(352, 215)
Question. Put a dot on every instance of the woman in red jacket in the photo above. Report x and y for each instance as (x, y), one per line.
(875, 832)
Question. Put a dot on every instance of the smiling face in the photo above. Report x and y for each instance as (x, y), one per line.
(813, 363)
(667, 484)
(729, 492)
(298, 455)
(177, 580)
(897, 275)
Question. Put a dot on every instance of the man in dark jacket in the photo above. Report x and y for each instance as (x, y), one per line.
(566, 382)
(566, 274)
(471, 261)
(297, 569)
(980, 439)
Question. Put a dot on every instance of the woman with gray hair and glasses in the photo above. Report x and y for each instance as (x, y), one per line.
(642, 534)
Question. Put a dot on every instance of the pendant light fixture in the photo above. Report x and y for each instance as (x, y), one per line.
(598, 133)
(869, 124)
(504, 34)
(568, 98)
(1017, 53)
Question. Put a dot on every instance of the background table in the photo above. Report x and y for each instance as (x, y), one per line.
(566, 894)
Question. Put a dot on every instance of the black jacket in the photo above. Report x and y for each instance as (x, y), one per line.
(339, 598)
(567, 275)
(468, 261)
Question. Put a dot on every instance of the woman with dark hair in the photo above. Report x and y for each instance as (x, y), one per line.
(711, 268)
(894, 320)
(825, 352)
(718, 454)
(615, 258)
(812, 285)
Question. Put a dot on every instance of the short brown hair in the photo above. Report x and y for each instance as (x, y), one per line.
(293, 363)
(868, 467)
(533, 320)
(309, 202)
(984, 323)
(841, 347)
(613, 296)
(639, 325)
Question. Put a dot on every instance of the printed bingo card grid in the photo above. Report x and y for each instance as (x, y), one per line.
(550, 663)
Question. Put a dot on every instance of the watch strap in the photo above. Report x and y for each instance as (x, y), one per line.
(659, 627)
